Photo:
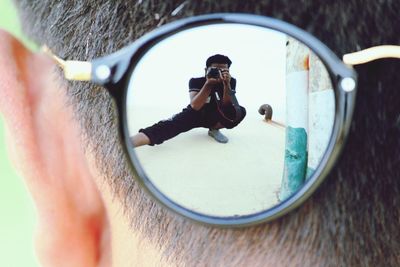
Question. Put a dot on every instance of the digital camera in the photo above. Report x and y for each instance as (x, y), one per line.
(213, 72)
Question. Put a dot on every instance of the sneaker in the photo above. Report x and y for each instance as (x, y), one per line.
(218, 136)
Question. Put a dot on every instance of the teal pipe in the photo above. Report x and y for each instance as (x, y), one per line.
(295, 164)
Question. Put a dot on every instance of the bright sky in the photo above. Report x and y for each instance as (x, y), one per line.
(160, 81)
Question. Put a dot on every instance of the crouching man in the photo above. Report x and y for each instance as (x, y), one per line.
(213, 105)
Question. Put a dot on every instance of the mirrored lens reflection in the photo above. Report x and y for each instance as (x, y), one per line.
(220, 153)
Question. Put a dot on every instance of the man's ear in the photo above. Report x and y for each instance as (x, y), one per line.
(43, 139)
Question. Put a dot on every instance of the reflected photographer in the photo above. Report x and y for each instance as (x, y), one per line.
(213, 105)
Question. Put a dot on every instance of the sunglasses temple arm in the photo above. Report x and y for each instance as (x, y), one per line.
(82, 71)
(73, 70)
(373, 53)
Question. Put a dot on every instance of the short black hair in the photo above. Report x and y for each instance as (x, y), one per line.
(221, 59)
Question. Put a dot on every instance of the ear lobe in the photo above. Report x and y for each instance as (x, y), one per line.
(44, 139)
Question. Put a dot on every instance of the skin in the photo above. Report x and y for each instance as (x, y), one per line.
(44, 144)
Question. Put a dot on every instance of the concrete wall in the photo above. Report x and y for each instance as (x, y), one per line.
(297, 80)
(321, 104)
(320, 98)
(310, 109)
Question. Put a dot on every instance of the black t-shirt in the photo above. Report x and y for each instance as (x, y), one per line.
(195, 85)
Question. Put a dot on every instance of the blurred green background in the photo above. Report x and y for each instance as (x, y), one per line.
(17, 215)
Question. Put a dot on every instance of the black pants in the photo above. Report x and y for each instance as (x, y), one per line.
(188, 119)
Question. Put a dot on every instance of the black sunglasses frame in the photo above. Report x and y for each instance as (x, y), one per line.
(122, 63)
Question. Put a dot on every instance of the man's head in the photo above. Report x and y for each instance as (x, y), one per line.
(218, 60)
(216, 65)
(64, 137)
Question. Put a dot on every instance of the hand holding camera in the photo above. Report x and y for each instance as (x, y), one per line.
(226, 78)
(216, 75)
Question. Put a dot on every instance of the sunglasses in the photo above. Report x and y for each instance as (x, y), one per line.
(242, 149)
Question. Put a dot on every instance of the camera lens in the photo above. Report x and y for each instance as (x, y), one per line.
(213, 73)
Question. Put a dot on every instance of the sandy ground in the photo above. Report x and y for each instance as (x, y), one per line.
(237, 178)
